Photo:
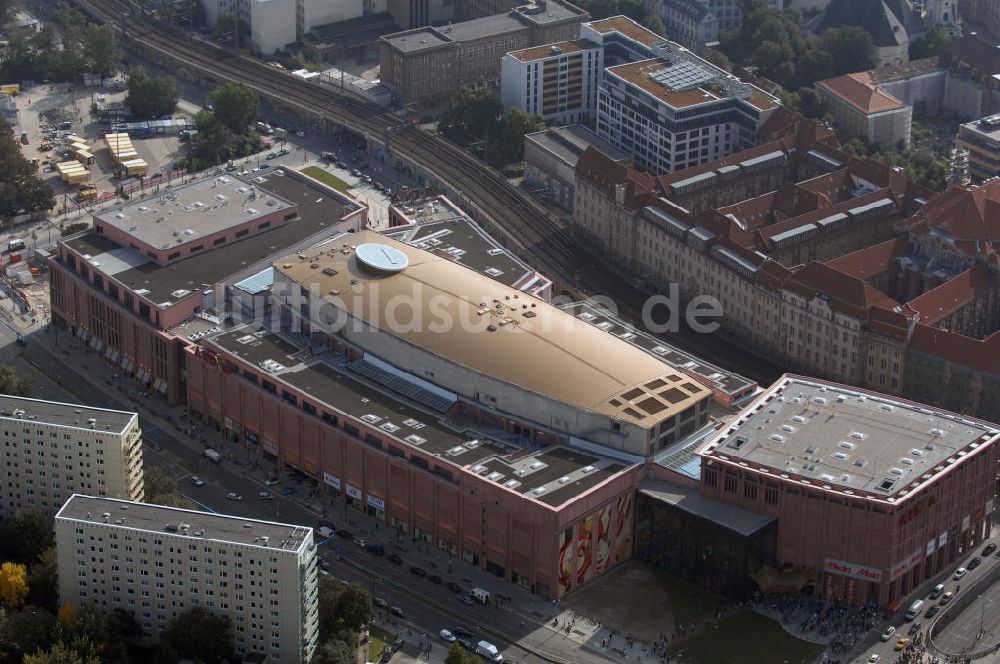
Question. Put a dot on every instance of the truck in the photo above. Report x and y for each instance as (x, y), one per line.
(488, 651)
(280, 134)
(212, 455)
(480, 595)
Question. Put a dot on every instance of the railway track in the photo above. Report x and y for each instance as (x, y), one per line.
(520, 221)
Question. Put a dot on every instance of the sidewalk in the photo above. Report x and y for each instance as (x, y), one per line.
(542, 621)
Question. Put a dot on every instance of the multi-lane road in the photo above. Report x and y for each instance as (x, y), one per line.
(521, 627)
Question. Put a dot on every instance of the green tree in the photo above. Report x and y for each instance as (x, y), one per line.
(929, 43)
(200, 635)
(100, 635)
(806, 101)
(328, 593)
(30, 531)
(60, 653)
(517, 125)
(236, 107)
(101, 48)
(471, 115)
(151, 96)
(43, 586)
(31, 627)
(21, 191)
(225, 25)
(851, 47)
(656, 24)
(215, 143)
(333, 652)
(457, 655)
(11, 383)
(353, 608)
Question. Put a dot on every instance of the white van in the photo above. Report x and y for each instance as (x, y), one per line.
(489, 651)
(914, 609)
(480, 595)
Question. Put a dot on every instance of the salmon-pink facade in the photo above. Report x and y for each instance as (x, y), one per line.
(544, 548)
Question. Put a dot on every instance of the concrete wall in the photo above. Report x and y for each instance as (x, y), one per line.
(273, 24)
(321, 12)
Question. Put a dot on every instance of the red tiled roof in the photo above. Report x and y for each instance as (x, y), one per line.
(942, 301)
(605, 173)
(860, 91)
(845, 293)
(977, 54)
(981, 355)
(967, 214)
(871, 261)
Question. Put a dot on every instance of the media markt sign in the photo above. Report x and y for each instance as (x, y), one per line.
(376, 502)
(852, 570)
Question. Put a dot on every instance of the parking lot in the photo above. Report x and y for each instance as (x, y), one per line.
(43, 109)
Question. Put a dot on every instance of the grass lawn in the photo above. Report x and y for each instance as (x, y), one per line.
(377, 640)
(326, 178)
(746, 638)
(685, 598)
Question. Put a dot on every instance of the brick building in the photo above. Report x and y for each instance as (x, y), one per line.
(867, 511)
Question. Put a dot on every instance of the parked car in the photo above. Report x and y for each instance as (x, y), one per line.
(975, 562)
(937, 592)
(465, 599)
(360, 541)
(947, 597)
(453, 587)
(418, 571)
(271, 155)
(265, 495)
(959, 573)
(288, 490)
(397, 611)
(394, 559)
(931, 612)
(324, 564)
(914, 628)
(990, 548)
(462, 631)
(887, 634)
(232, 495)
(901, 643)
(300, 134)
(197, 481)
(381, 602)
(434, 578)
(447, 636)
(874, 659)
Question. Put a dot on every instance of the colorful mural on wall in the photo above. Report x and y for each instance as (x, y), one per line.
(567, 556)
(585, 550)
(623, 527)
(603, 546)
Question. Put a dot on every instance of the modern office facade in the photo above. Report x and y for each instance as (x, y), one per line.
(677, 110)
(53, 450)
(156, 562)
(274, 24)
(982, 139)
(557, 82)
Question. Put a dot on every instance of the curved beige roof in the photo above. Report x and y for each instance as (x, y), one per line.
(472, 320)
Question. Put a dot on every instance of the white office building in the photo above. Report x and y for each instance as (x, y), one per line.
(52, 450)
(156, 562)
(274, 24)
(677, 110)
(556, 81)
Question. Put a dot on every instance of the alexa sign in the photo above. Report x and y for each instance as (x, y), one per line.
(852, 570)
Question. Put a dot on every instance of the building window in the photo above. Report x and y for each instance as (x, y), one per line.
(730, 483)
(771, 495)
